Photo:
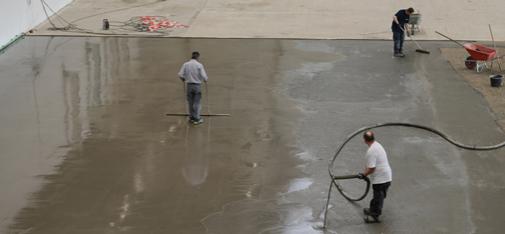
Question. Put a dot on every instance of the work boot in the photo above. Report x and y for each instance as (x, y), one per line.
(367, 211)
(400, 53)
(396, 55)
(196, 122)
(371, 219)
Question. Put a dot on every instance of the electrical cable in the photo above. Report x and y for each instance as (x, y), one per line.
(115, 10)
(334, 178)
(70, 27)
(47, 15)
(55, 13)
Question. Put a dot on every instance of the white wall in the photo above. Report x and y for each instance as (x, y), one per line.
(18, 16)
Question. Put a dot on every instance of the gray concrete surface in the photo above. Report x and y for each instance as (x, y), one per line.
(86, 147)
(323, 19)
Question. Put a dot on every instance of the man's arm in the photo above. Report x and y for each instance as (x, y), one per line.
(395, 19)
(203, 74)
(181, 74)
(369, 171)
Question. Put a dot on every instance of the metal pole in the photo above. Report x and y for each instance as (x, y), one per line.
(457, 42)
(494, 46)
(207, 97)
(492, 37)
(185, 114)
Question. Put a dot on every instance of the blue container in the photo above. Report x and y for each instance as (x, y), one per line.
(496, 80)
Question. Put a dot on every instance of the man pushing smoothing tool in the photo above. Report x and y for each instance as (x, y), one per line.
(193, 73)
(398, 27)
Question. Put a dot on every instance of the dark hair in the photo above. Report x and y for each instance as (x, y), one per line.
(410, 10)
(368, 136)
(195, 55)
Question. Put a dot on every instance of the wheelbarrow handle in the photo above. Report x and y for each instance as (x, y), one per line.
(457, 42)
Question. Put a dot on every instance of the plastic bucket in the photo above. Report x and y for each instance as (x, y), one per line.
(496, 80)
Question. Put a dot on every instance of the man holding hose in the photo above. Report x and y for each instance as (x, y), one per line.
(193, 74)
(398, 27)
(377, 167)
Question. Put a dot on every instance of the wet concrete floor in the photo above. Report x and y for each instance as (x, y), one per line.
(86, 146)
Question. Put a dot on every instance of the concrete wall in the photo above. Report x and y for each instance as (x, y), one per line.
(17, 16)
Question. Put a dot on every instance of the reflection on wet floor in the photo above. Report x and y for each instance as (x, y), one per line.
(125, 167)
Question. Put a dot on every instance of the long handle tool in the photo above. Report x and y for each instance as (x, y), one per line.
(419, 48)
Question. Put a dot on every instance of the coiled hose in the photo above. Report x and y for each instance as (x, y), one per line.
(333, 178)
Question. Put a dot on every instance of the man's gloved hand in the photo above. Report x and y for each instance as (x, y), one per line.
(361, 176)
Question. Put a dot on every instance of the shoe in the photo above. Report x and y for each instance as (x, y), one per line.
(371, 219)
(401, 54)
(366, 211)
(196, 122)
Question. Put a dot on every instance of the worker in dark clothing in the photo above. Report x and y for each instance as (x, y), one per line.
(398, 27)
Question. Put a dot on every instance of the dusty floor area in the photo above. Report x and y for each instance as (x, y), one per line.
(86, 146)
(323, 19)
(480, 81)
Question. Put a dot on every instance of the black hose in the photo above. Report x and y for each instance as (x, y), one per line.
(363, 129)
(347, 177)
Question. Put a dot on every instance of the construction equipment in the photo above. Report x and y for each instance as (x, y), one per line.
(419, 48)
(480, 57)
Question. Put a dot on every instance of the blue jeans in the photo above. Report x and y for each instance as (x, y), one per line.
(398, 38)
(379, 193)
(194, 95)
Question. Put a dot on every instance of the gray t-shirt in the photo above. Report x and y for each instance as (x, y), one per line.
(192, 71)
(376, 157)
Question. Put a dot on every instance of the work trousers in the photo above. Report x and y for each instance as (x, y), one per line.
(194, 95)
(379, 193)
(398, 38)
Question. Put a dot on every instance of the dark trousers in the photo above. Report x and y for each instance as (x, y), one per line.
(194, 95)
(398, 38)
(379, 193)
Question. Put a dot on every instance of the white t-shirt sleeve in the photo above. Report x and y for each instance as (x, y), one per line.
(371, 159)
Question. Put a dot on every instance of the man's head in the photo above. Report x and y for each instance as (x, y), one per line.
(368, 137)
(195, 55)
(409, 11)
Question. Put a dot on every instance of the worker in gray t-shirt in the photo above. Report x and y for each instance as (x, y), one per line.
(193, 73)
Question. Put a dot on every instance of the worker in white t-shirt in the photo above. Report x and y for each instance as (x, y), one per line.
(377, 167)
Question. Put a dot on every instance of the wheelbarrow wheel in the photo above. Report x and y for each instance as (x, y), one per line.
(470, 63)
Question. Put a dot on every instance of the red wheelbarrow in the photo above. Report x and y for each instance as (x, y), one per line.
(480, 55)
